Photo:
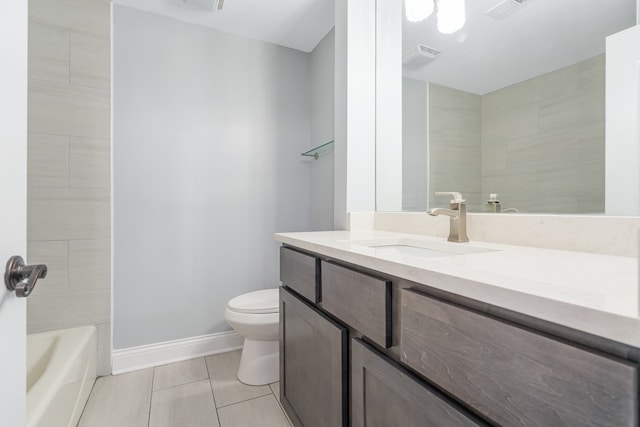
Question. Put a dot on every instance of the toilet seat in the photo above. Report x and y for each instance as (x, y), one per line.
(265, 301)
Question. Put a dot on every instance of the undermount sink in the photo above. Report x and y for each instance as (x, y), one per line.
(420, 248)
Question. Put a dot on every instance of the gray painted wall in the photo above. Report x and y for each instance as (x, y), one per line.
(208, 130)
(322, 130)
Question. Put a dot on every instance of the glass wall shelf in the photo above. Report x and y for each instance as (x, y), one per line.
(316, 151)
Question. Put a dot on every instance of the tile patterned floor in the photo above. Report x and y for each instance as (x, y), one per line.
(193, 393)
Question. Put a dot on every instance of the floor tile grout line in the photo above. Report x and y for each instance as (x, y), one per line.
(286, 417)
(246, 400)
(153, 378)
(180, 385)
(84, 408)
(280, 405)
(181, 361)
(215, 408)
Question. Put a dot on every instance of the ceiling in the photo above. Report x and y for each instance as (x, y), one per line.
(488, 54)
(298, 24)
(485, 55)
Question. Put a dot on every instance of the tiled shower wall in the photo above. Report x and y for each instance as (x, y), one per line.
(68, 225)
(539, 144)
(454, 145)
(543, 141)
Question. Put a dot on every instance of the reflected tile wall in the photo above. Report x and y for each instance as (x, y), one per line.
(454, 145)
(68, 225)
(543, 141)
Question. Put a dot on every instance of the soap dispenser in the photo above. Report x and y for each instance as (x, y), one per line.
(493, 204)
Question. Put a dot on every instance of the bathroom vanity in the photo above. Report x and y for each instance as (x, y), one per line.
(385, 329)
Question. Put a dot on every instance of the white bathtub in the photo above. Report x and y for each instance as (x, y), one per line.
(61, 369)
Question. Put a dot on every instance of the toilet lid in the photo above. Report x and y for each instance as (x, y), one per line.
(260, 302)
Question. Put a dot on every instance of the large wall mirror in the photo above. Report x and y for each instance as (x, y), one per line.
(505, 101)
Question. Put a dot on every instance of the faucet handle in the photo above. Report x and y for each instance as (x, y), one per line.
(457, 197)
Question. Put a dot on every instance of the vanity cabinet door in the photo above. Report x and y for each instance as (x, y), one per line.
(512, 375)
(382, 395)
(313, 365)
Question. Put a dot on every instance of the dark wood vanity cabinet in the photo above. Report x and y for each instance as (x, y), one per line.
(362, 348)
(514, 376)
(384, 395)
(360, 300)
(301, 273)
(313, 360)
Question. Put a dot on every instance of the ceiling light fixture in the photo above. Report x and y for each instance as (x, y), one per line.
(451, 15)
(219, 4)
(418, 10)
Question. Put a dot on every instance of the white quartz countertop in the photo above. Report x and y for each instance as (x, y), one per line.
(597, 294)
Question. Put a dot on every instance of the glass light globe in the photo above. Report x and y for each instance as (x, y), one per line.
(451, 15)
(418, 10)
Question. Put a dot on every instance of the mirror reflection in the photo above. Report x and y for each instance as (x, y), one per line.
(509, 109)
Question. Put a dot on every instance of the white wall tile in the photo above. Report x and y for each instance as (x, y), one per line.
(90, 61)
(551, 129)
(89, 264)
(454, 144)
(69, 125)
(48, 160)
(68, 110)
(55, 254)
(89, 162)
(590, 143)
(48, 53)
(87, 16)
(60, 311)
(494, 157)
(104, 348)
(59, 214)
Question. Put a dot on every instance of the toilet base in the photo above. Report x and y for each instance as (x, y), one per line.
(260, 362)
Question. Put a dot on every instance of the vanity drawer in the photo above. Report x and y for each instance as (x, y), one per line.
(301, 273)
(359, 300)
(513, 376)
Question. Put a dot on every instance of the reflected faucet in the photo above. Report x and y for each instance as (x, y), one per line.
(457, 216)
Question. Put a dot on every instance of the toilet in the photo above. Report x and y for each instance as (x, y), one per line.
(255, 316)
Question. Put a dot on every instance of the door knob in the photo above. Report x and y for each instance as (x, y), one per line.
(22, 278)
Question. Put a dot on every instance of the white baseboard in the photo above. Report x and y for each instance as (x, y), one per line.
(147, 356)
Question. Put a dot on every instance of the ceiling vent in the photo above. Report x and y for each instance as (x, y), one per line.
(419, 55)
(506, 8)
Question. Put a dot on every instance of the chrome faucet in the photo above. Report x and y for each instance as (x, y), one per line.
(457, 216)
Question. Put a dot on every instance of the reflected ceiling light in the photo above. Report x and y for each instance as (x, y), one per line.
(451, 15)
(418, 10)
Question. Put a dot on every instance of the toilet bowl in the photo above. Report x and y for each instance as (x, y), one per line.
(255, 316)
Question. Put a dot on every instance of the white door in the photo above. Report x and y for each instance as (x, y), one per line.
(13, 205)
